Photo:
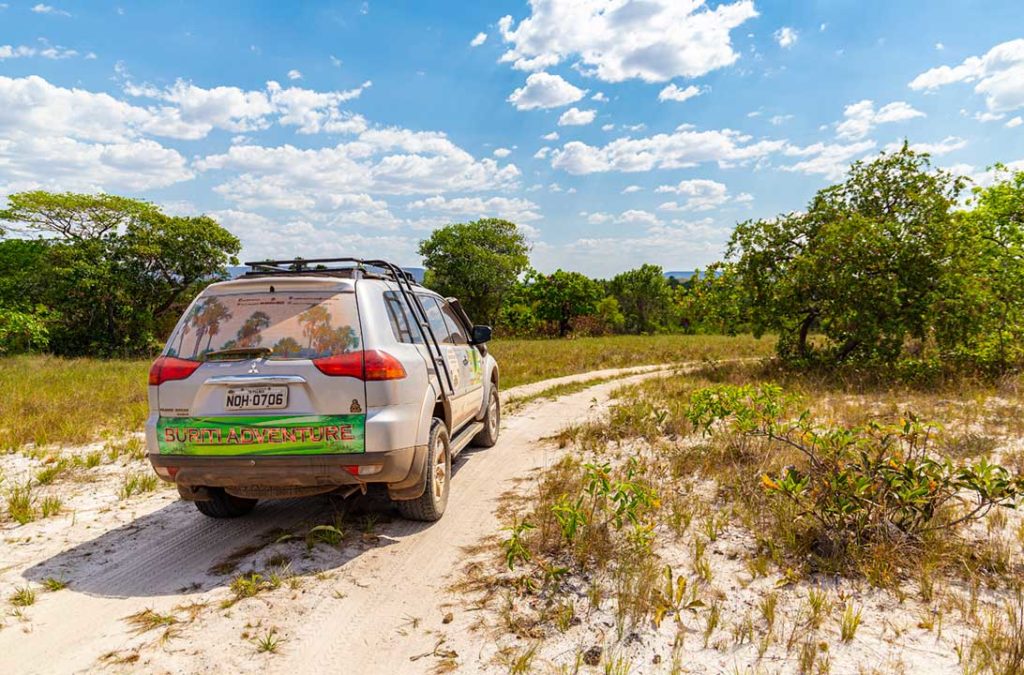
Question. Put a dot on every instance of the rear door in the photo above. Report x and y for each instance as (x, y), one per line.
(277, 371)
(454, 354)
(470, 363)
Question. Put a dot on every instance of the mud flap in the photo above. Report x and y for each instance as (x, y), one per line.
(412, 486)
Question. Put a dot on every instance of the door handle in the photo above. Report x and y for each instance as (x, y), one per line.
(465, 360)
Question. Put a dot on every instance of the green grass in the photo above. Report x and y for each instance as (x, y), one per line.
(50, 400)
(525, 361)
(53, 400)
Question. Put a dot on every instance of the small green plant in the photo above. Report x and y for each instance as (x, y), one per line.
(137, 483)
(711, 621)
(515, 547)
(818, 606)
(21, 504)
(248, 585)
(269, 642)
(332, 535)
(50, 506)
(849, 622)
(147, 620)
(767, 605)
(53, 584)
(51, 472)
(23, 597)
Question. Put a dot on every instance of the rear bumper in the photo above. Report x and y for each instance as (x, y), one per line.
(288, 476)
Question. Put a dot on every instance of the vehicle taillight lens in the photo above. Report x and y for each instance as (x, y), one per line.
(167, 368)
(370, 365)
(341, 365)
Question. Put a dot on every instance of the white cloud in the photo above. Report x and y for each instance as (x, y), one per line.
(542, 153)
(599, 97)
(1015, 122)
(861, 117)
(478, 40)
(614, 41)
(629, 189)
(516, 210)
(607, 127)
(779, 120)
(674, 93)
(381, 161)
(335, 61)
(988, 116)
(786, 37)
(681, 149)
(576, 117)
(23, 51)
(943, 147)
(48, 9)
(701, 195)
(988, 176)
(294, 74)
(999, 75)
(543, 90)
(830, 160)
(553, 136)
(502, 153)
(939, 46)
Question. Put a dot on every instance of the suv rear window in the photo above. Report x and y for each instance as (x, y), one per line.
(295, 325)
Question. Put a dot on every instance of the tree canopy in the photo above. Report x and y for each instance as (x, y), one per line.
(479, 262)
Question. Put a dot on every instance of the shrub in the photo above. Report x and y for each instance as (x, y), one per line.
(859, 485)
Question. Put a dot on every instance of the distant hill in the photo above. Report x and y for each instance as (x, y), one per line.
(681, 275)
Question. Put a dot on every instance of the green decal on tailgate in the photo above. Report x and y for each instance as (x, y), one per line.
(269, 435)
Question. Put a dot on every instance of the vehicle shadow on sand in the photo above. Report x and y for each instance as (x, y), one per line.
(176, 550)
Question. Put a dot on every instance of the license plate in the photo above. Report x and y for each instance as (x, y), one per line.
(256, 398)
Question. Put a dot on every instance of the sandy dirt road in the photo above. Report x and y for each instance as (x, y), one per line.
(376, 603)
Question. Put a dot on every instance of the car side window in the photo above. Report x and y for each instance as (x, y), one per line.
(455, 328)
(405, 329)
(436, 319)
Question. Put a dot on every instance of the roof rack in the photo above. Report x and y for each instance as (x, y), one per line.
(326, 266)
(404, 280)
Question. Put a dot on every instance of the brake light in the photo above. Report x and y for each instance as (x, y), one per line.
(383, 366)
(167, 368)
(370, 365)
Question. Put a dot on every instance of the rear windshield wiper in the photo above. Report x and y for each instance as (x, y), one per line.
(238, 352)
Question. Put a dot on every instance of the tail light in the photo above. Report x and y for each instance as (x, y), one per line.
(370, 365)
(167, 368)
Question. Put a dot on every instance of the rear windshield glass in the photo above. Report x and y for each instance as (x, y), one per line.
(294, 325)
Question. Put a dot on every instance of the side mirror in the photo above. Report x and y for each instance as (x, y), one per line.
(481, 335)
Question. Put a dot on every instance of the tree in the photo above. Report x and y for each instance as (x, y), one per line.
(864, 267)
(644, 297)
(562, 296)
(112, 273)
(477, 262)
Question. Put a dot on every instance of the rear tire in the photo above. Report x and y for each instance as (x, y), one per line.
(430, 506)
(488, 436)
(222, 505)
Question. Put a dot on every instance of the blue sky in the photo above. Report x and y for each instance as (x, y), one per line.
(616, 132)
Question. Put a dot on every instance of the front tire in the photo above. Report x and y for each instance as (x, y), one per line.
(430, 506)
(488, 436)
(222, 505)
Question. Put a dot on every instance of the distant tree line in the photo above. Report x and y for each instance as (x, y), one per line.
(899, 265)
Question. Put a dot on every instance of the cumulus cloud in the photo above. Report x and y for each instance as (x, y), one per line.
(945, 146)
(614, 41)
(515, 210)
(49, 9)
(674, 93)
(576, 117)
(786, 37)
(629, 189)
(700, 194)
(1015, 122)
(998, 74)
(553, 136)
(294, 74)
(543, 90)
(830, 160)
(382, 161)
(478, 40)
(501, 153)
(686, 147)
(23, 51)
(861, 117)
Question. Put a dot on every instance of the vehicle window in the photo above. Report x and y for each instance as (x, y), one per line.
(455, 328)
(402, 325)
(436, 319)
(294, 325)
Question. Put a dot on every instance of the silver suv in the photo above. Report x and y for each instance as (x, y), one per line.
(310, 376)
